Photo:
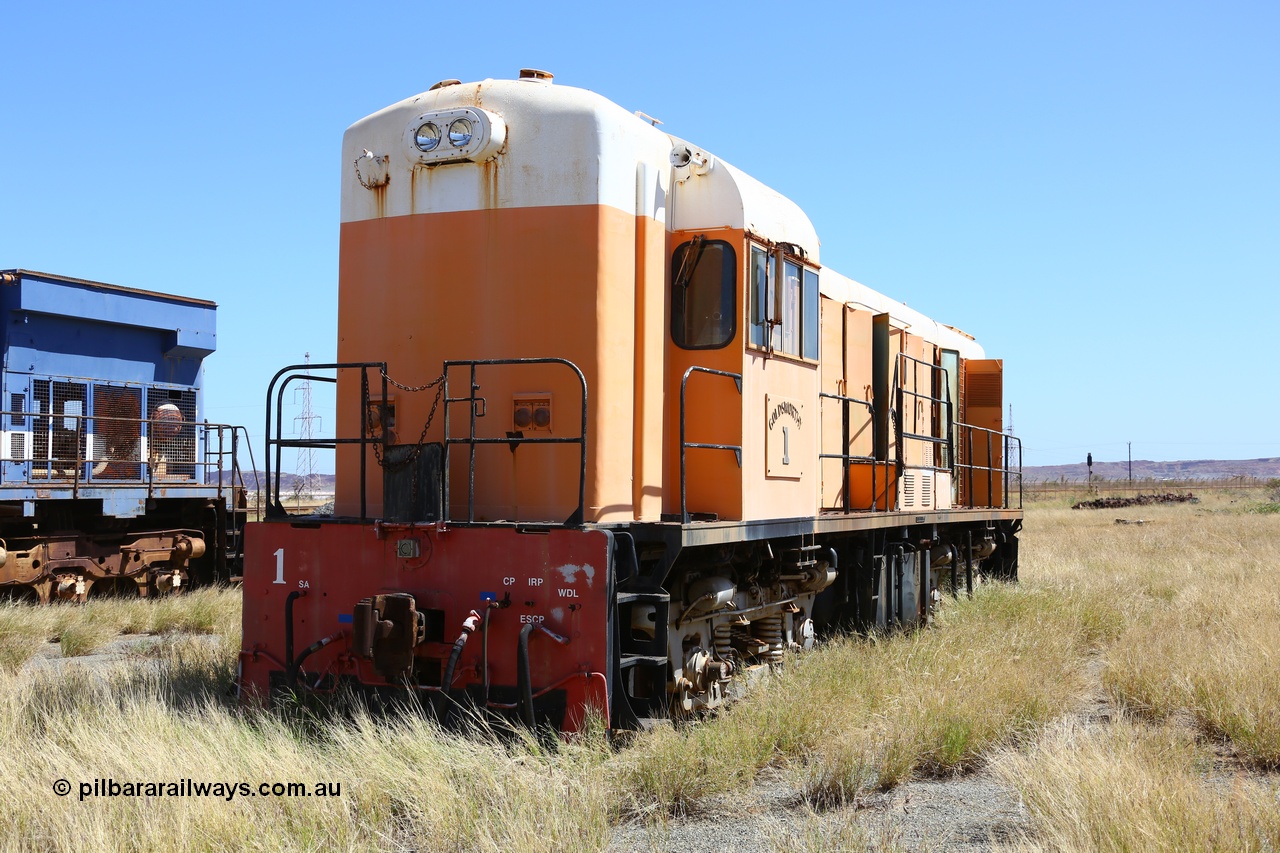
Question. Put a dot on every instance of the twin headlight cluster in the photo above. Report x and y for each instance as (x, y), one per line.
(461, 132)
(450, 136)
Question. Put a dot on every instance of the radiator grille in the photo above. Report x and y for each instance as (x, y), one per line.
(172, 442)
(59, 440)
(117, 449)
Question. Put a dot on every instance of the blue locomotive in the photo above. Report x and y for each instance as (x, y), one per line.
(108, 474)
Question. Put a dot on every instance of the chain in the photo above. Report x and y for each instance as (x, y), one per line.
(413, 388)
(438, 384)
(366, 184)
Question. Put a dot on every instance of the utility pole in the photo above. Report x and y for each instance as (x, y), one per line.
(306, 472)
(1131, 463)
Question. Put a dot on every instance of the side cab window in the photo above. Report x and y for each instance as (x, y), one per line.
(784, 303)
(704, 279)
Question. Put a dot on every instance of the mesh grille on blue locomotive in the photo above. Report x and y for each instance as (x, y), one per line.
(103, 432)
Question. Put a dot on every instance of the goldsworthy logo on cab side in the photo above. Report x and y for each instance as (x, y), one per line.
(783, 437)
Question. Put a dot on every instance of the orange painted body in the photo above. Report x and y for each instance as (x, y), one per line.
(569, 282)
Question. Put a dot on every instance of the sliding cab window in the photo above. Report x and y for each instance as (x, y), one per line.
(759, 281)
(703, 294)
(784, 304)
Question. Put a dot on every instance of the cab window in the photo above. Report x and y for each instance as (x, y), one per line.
(784, 304)
(758, 282)
(703, 294)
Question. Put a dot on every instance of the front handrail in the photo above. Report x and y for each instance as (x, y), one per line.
(512, 440)
(301, 372)
(690, 445)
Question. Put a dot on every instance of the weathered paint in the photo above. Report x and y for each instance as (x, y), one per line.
(561, 579)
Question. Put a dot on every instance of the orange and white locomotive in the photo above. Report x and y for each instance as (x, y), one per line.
(608, 434)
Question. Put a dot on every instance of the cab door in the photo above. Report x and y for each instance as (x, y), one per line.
(704, 355)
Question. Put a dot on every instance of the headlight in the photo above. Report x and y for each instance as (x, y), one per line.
(427, 137)
(472, 134)
(459, 132)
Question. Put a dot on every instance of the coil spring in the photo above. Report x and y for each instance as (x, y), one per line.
(768, 629)
(724, 643)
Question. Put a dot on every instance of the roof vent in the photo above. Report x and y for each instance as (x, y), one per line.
(444, 83)
(535, 75)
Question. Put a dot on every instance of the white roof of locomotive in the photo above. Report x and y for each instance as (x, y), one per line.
(564, 146)
(844, 289)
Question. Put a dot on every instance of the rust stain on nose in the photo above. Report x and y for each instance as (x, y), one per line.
(489, 183)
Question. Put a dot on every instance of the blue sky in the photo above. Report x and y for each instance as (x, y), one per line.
(1091, 189)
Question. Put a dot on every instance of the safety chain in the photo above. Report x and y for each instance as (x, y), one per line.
(414, 388)
(438, 384)
(366, 184)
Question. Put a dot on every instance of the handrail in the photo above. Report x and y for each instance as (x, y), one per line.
(75, 469)
(1009, 445)
(472, 440)
(275, 509)
(237, 471)
(847, 458)
(914, 434)
(688, 445)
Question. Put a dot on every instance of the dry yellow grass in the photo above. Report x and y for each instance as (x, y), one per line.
(1131, 787)
(404, 784)
(864, 714)
(1200, 600)
(1193, 670)
(1177, 616)
(83, 629)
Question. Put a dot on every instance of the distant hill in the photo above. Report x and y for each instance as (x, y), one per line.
(323, 482)
(1145, 469)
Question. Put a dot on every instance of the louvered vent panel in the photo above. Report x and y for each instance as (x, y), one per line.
(984, 390)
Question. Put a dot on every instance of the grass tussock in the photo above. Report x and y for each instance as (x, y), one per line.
(1210, 649)
(404, 783)
(1135, 787)
(814, 832)
(82, 629)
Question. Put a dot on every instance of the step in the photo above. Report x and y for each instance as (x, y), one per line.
(626, 661)
(643, 598)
